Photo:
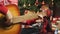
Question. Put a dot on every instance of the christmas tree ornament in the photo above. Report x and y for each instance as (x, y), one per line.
(43, 2)
(52, 2)
(29, 5)
(24, 5)
(36, 3)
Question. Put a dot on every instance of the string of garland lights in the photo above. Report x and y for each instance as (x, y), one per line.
(29, 4)
(34, 4)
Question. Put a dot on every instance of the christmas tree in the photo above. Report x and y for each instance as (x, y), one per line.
(31, 4)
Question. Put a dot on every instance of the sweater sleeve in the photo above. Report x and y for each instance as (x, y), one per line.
(3, 9)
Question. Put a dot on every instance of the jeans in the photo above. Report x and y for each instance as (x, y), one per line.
(30, 31)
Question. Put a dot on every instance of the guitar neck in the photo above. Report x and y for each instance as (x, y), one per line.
(18, 19)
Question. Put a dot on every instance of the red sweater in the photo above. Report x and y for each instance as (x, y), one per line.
(48, 12)
(3, 9)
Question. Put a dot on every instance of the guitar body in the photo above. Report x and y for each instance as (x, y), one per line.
(15, 29)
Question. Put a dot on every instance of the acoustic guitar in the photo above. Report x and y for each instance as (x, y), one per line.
(14, 29)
